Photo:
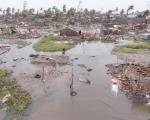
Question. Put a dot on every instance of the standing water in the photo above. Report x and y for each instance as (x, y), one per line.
(95, 101)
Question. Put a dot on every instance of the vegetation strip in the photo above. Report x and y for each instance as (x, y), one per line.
(12, 96)
(132, 48)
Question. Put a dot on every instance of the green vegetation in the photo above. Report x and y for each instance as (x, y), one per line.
(49, 44)
(134, 37)
(17, 99)
(132, 48)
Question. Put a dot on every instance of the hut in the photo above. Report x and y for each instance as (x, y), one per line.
(68, 32)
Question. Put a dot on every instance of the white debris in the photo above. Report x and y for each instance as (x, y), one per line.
(5, 98)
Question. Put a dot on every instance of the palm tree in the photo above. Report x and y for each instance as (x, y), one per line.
(131, 7)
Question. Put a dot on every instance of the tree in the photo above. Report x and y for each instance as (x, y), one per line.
(4, 12)
(109, 14)
(92, 13)
(122, 12)
(31, 11)
(13, 10)
(71, 12)
(0, 9)
(8, 11)
(86, 12)
(116, 10)
(107, 18)
(64, 9)
(18, 10)
(131, 7)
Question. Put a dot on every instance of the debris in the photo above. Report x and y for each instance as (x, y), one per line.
(82, 65)
(37, 76)
(114, 80)
(13, 66)
(73, 93)
(76, 58)
(92, 56)
(84, 80)
(133, 79)
(34, 55)
(15, 59)
(52, 60)
(89, 70)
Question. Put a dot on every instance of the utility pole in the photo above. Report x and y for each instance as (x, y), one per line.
(79, 6)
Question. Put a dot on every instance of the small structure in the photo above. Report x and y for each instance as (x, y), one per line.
(68, 32)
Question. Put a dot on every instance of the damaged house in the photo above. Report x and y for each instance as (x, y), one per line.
(68, 32)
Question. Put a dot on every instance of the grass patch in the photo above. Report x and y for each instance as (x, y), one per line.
(18, 99)
(132, 48)
(49, 44)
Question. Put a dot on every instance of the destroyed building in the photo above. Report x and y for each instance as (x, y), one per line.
(139, 77)
(68, 32)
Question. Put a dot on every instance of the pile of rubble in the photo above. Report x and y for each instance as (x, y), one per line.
(50, 60)
(134, 79)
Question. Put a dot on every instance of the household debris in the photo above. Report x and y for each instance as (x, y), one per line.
(38, 76)
(89, 69)
(82, 65)
(52, 60)
(84, 79)
(33, 55)
(18, 59)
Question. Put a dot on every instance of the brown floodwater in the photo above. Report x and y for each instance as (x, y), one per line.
(99, 100)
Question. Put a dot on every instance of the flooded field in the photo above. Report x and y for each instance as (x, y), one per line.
(52, 100)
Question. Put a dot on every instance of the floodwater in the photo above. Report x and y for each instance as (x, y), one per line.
(99, 100)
